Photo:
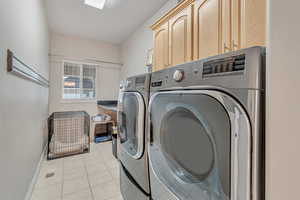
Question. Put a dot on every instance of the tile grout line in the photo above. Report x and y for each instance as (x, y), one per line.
(62, 166)
(88, 179)
(110, 170)
(63, 180)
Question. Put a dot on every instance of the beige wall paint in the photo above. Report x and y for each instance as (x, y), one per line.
(83, 50)
(23, 104)
(283, 101)
(134, 49)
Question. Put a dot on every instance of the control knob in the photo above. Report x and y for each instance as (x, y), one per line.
(178, 75)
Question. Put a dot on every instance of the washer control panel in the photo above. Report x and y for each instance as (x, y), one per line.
(136, 83)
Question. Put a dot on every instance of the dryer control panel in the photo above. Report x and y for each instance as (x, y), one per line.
(239, 69)
(226, 66)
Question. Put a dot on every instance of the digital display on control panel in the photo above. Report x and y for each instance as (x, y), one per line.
(225, 66)
(156, 84)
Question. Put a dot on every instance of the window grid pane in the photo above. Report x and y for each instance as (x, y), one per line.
(79, 81)
(72, 93)
(72, 69)
(71, 82)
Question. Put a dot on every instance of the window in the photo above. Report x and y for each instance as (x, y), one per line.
(79, 81)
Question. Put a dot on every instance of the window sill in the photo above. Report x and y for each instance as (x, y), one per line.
(74, 101)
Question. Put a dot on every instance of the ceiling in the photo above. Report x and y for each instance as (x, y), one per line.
(113, 24)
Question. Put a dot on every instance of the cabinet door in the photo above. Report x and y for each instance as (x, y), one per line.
(231, 25)
(161, 47)
(180, 37)
(247, 26)
(236, 22)
(253, 23)
(208, 28)
(227, 31)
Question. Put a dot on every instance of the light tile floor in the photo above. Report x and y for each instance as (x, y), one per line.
(92, 176)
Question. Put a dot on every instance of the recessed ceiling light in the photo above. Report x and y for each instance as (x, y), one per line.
(95, 3)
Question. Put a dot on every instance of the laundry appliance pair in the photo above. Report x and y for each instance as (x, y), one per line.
(195, 131)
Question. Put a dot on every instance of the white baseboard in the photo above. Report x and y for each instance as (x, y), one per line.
(36, 175)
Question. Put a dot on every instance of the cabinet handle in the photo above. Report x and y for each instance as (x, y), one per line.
(226, 48)
(234, 45)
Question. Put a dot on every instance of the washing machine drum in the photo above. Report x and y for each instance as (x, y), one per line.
(190, 146)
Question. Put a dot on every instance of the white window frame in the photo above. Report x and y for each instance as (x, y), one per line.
(80, 100)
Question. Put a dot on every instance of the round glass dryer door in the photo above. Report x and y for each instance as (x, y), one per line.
(131, 123)
(190, 145)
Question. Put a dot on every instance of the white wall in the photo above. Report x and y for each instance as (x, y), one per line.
(134, 49)
(23, 104)
(283, 103)
(83, 50)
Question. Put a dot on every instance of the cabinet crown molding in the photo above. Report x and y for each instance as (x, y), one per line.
(182, 5)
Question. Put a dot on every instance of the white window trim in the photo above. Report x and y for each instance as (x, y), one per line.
(94, 100)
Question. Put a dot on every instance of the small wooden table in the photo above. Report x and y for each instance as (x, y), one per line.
(103, 129)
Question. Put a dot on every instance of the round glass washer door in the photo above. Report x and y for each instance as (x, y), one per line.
(131, 115)
(190, 145)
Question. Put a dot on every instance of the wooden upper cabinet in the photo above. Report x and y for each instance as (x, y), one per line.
(247, 25)
(161, 47)
(228, 25)
(207, 28)
(180, 37)
(253, 23)
(197, 29)
(173, 37)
